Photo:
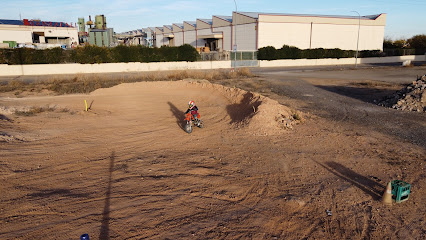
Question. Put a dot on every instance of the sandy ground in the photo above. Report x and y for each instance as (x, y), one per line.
(126, 170)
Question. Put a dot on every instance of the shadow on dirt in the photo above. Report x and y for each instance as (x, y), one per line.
(3, 117)
(369, 186)
(59, 192)
(366, 94)
(246, 109)
(179, 115)
(104, 234)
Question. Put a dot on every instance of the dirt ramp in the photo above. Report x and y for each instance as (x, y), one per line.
(254, 112)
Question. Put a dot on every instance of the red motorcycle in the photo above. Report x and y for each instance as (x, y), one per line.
(191, 121)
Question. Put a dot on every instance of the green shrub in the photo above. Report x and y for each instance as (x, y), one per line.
(418, 42)
(267, 53)
(289, 52)
(125, 54)
(315, 53)
(371, 53)
(188, 53)
(91, 54)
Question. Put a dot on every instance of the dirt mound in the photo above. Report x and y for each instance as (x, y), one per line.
(410, 98)
(252, 111)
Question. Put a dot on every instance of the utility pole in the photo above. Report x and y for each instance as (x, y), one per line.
(357, 41)
(235, 45)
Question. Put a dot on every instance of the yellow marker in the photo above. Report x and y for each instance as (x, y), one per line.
(254, 109)
(85, 102)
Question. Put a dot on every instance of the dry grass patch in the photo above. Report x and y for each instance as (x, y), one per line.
(33, 111)
(86, 83)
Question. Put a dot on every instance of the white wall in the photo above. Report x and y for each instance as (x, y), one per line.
(371, 37)
(246, 38)
(24, 34)
(72, 33)
(322, 36)
(16, 35)
(159, 40)
(190, 38)
(75, 68)
(345, 37)
(278, 34)
(178, 39)
(226, 40)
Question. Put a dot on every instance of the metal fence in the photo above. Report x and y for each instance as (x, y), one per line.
(238, 59)
(227, 55)
(243, 55)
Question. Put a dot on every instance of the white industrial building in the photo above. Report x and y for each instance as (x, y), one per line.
(36, 33)
(249, 31)
(257, 30)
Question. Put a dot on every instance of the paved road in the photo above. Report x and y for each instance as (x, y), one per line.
(314, 90)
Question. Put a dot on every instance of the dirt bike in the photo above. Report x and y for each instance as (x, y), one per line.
(191, 121)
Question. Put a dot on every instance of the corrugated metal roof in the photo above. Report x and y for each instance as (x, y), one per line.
(226, 18)
(256, 15)
(208, 21)
(193, 23)
(180, 25)
(11, 22)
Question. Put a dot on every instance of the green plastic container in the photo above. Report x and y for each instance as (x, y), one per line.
(12, 44)
(400, 190)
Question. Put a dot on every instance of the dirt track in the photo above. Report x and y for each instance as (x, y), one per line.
(126, 169)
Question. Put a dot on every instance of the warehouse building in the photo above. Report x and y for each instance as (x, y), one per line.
(249, 31)
(257, 30)
(37, 33)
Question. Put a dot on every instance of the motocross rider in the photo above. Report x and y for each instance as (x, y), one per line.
(193, 109)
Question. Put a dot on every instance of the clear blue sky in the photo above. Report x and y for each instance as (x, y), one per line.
(405, 18)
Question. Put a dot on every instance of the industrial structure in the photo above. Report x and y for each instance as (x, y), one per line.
(37, 34)
(249, 31)
(97, 33)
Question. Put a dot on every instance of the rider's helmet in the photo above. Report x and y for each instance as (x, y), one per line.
(191, 104)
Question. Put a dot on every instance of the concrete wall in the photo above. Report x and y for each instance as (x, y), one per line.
(75, 68)
(341, 61)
